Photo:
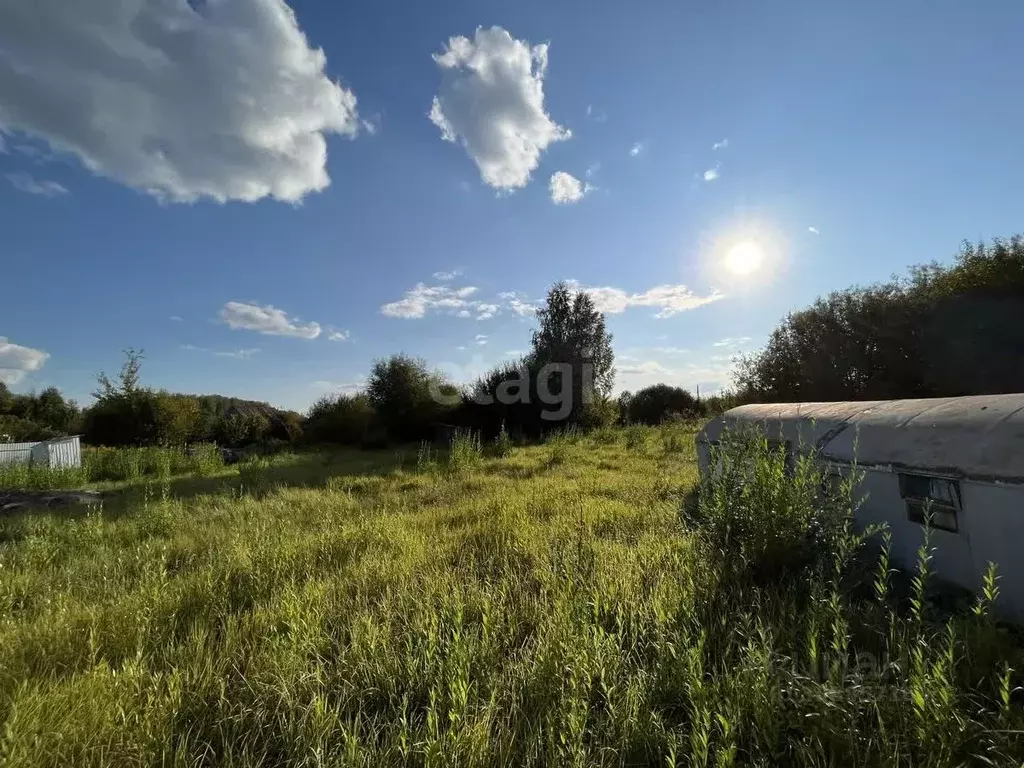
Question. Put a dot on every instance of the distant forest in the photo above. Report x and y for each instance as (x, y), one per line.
(941, 330)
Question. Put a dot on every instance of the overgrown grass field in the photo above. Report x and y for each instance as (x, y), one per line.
(570, 603)
(115, 465)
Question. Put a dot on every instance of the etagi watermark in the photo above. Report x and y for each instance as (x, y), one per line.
(554, 385)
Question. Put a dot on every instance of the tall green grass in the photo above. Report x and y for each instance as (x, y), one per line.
(38, 477)
(115, 465)
(512, 613)
(127, 464)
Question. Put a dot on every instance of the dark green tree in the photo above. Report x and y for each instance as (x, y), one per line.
(572, 336)
(408, 399)
(658, 403)
(941, 331)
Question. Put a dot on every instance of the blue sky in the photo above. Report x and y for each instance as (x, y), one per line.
(264, 219)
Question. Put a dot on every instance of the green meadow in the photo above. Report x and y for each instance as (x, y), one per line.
(575, 602)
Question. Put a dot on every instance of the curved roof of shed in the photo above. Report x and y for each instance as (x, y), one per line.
(980, 437)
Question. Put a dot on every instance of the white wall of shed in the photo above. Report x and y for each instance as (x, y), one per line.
(65, 453)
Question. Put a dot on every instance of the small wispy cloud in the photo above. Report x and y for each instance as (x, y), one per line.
(340, 387)
(486, 311)
(733, 342)
(593, 169)
(636, 149)
(336, 334)
(267, 320)
(480, 339)
(371, 124)
(668, 299)
(724, 143)
(176, 319)
(710, 174)
(25, 182)
(422, 300)
(445, 277)
(598, 116)
(645, 368)
(518, 303)
(237, 354)
(813, 230)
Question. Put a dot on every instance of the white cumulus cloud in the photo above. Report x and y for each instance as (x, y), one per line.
(424, 299)
(267, 320)
(669, 299)
(220, 99)
(17, 361)
(491, 101)
(813, 230)
(710, 174)
(566, 188)
(518, 303)
(25, 182)
(335, 334)
(723, 144)
(636, 149)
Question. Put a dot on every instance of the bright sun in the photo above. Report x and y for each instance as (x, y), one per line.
(744, 258)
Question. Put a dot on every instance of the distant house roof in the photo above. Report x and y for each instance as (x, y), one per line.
(980, 437)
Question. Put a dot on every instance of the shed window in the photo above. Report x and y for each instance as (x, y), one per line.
(938, 496)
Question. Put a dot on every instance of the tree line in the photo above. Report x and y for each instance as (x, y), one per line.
(938, 331)
(127, 413)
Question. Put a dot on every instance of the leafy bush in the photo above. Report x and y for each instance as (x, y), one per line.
(17, 430)
(770, 510)
(657, 404)
(606, 435)
(502, 443)
(342, 419)
(636, 438)
(407, 398)
(464, 453)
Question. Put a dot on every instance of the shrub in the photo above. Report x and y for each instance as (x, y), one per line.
(769, 510)
(465, 453)
(674, 440)
(636, 438)
(658, 403)
(559, 449)
(605, 435)
(342, 419)
(502, 443)
(406, 397)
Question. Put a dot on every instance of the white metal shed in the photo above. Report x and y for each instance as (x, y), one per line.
(59, 452)
(963, 455)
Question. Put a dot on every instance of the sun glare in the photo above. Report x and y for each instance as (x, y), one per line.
(744, 258)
